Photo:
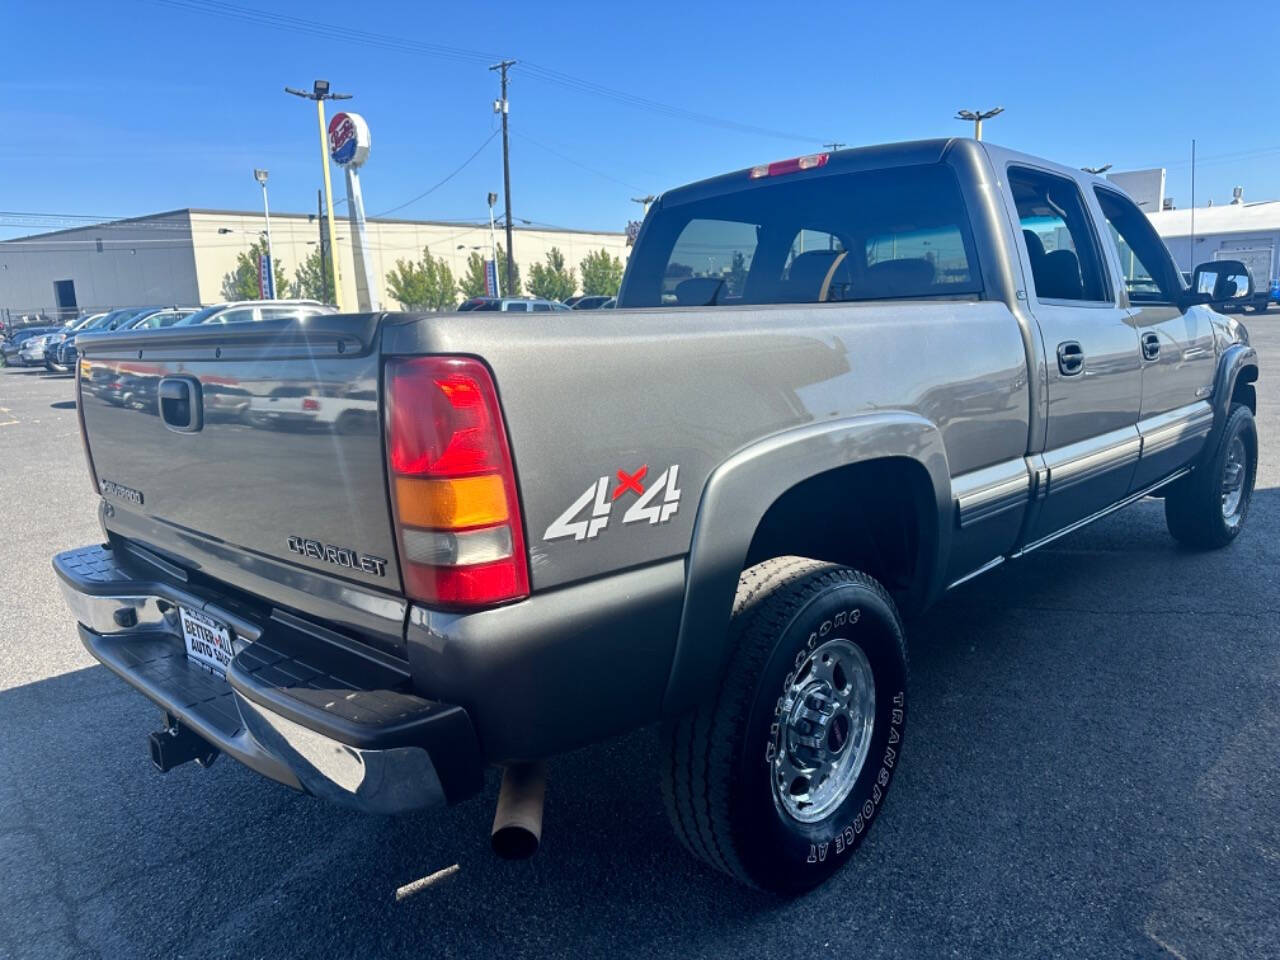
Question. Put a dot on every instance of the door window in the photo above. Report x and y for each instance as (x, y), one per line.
(1056, 228)
(1148, 271)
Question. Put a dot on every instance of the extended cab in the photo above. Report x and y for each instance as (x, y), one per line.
(833, 388)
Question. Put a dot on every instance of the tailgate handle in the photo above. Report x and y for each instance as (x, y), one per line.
(181, 408)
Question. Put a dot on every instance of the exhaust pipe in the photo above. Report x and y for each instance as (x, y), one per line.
(176, 745)
(517, 823)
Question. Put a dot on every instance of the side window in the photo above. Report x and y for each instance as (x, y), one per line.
(517, 306)
(1149, 273)
(239, 315)
(1063, 256)
(542, 308)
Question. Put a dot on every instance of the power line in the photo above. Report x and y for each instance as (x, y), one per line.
(577, 163)
(459, 54)
(429, 190)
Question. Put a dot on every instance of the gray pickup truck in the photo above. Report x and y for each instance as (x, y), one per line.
(834, 388)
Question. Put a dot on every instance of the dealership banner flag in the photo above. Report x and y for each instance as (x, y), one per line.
(266, 278)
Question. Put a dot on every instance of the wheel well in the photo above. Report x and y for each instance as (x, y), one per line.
(1243, 390)
(879, 516)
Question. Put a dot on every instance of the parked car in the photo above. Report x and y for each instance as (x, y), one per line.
(850, 382)
(594, 302)
(11, 347)
(106, 323)
(510, 304)
(255, 311)
(53, 342)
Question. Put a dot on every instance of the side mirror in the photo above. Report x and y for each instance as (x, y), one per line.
(1221, 281)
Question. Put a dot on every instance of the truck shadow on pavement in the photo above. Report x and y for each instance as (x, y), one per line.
(1063, 721)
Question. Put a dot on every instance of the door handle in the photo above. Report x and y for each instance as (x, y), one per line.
(180, 404)
(1070, 358)
(1150, 346)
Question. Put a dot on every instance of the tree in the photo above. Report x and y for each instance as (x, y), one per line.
(502, 274)
(427, 284)
(736, 279)
(601, 274)
(313, 281)
(552, 281)
(242, 282)
(473, 281)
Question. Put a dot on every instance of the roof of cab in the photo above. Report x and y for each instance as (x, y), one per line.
(854, 160)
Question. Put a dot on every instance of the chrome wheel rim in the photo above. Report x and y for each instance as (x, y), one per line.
(827, 714)
(1233, 477)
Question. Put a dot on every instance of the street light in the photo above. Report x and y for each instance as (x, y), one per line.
(269, 282)
(320, 93)
(977, 116)
(1097, 170)
(493, 244)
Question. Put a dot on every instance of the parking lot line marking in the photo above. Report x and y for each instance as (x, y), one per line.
(417, 886)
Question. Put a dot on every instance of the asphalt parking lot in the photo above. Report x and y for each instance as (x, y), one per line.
(1092, 771)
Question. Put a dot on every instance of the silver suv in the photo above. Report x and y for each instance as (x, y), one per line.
(253, 311)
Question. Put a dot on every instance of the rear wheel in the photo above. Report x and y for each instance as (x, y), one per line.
(777, 779)
(1207, 508)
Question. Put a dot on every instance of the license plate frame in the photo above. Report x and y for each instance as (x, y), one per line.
(208, 641)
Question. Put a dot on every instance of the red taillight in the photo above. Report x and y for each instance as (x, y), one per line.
(453, 484)
(794, 165)
(310, 403)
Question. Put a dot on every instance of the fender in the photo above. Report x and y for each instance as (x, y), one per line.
(738, 494)
(1237, 361)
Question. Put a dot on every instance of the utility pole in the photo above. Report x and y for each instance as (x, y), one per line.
(833, 145)
(977, 116)
(500, 106)
(1191, 260)
(320, 93)
(644, 201)
(270, 282)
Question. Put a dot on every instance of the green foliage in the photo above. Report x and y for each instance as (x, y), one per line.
(552, 280)
(427, 284)
(313, 279)
(242, 282)
(472, 282)
(601, 274)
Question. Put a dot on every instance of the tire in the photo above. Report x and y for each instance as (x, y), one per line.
(1199, 508)
(1260, 306)
(723, 758)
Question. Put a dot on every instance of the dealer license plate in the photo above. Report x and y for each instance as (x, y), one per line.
(208, 641)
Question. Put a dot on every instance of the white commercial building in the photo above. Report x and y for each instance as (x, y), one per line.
(183, 256)
(1249, 232)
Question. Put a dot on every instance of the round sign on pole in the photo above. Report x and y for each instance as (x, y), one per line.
(348, 139)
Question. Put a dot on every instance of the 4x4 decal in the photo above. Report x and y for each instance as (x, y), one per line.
(657, 504)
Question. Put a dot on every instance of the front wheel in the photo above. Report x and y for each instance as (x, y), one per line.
(776, 779)
(1207, 508)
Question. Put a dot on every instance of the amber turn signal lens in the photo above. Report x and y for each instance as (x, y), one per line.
(451, 504)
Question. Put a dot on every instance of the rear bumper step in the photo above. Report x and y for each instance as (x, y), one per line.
(295, 706)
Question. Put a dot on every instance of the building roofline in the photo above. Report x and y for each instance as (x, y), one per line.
(189, 212)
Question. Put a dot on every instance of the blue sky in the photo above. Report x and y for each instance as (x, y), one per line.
(136, 106)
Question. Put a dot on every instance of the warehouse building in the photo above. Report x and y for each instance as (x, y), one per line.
(183, 256)
(1249, 232)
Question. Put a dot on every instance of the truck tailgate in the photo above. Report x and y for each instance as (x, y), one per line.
(282, 457)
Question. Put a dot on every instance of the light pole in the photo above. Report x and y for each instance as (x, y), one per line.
(1096, 171)
(977, 116)
(320, 93)
(270, 284)
(644, 201)
(493, 245)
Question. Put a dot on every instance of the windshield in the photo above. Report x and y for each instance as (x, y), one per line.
(883, 234)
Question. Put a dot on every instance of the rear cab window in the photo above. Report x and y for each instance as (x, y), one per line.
(872, 235)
